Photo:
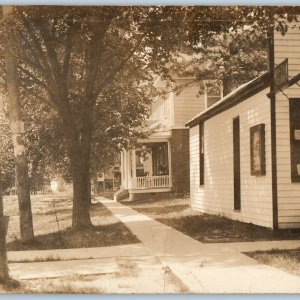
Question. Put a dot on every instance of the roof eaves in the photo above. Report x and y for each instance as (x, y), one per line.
(291, 82)
(238, 95)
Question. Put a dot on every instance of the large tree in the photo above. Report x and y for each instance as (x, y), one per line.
(73, 59)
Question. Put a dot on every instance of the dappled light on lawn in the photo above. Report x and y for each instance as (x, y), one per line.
(52, 225)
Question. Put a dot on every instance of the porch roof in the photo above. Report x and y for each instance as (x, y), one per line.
(157, 136)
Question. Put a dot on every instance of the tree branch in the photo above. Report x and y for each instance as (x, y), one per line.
(38, 65)
(112, 75)
(37, 45)
(68, 48)
(94, 57)
(38, 82)
(51, 52)
(61, 91)
(36, 95)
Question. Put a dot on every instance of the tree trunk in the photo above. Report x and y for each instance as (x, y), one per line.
(23, 191)
(79, 151)
(81, 196)
(17, 128)
(3, 255)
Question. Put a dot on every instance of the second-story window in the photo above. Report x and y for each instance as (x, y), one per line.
(213, 93)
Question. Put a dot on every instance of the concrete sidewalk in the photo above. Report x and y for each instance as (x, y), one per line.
(166, 261)
(131, 250)
(135, 274)
(260, 245)
(203, 268)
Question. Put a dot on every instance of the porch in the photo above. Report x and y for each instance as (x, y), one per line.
(146, 182)
(147, 168)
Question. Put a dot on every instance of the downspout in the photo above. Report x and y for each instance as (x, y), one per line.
(272, 97)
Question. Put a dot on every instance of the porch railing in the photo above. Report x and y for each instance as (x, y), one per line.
(152, 182)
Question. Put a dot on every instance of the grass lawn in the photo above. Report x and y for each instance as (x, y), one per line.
(287, 260)
(52, 219)
(206, 228)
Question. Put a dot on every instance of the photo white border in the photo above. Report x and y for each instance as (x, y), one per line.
(152, 296)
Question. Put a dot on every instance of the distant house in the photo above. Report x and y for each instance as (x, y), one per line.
(160, 163)
(107, 180)
(245, 149)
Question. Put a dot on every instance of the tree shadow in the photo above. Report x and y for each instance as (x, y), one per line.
(159, 210)
(94, 236)
(216, 229)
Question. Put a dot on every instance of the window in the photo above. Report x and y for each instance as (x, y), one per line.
(201, 153)
(295, 139)
(160, 159)
(143, 160)
(257, 150)
(213, 94)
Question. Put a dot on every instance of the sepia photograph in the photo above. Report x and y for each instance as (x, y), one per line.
(149, 149)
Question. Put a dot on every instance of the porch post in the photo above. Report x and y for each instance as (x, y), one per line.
(169, 163)
(122, 169)
(134, 167)
(129, 180)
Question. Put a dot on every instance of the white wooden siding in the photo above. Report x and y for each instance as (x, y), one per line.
(287, 46)
(288, 192)
(175, 110)
(187, 104)
(161, 109)
(216, 196)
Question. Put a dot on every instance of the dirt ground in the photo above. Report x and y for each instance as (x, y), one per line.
(287, 260)
(52, 220)
(177, 213)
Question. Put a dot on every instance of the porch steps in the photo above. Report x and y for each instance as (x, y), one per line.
(121, 194)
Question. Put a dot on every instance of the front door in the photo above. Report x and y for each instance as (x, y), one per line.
(160, 160)
(143, 161)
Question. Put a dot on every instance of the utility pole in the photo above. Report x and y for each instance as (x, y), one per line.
(17, 129)
(271, 58)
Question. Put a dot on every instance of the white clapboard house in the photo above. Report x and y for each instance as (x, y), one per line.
(160, 163)
(245, 149)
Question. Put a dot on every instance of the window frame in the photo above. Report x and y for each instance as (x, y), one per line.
(258, 129)
(294, 143)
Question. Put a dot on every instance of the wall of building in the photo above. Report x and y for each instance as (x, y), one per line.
(162, 109)
(173, 111)
(187, 104)
(176, 109)
(287, 46)
(288, 191)
(180, 160)
(216, 196)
